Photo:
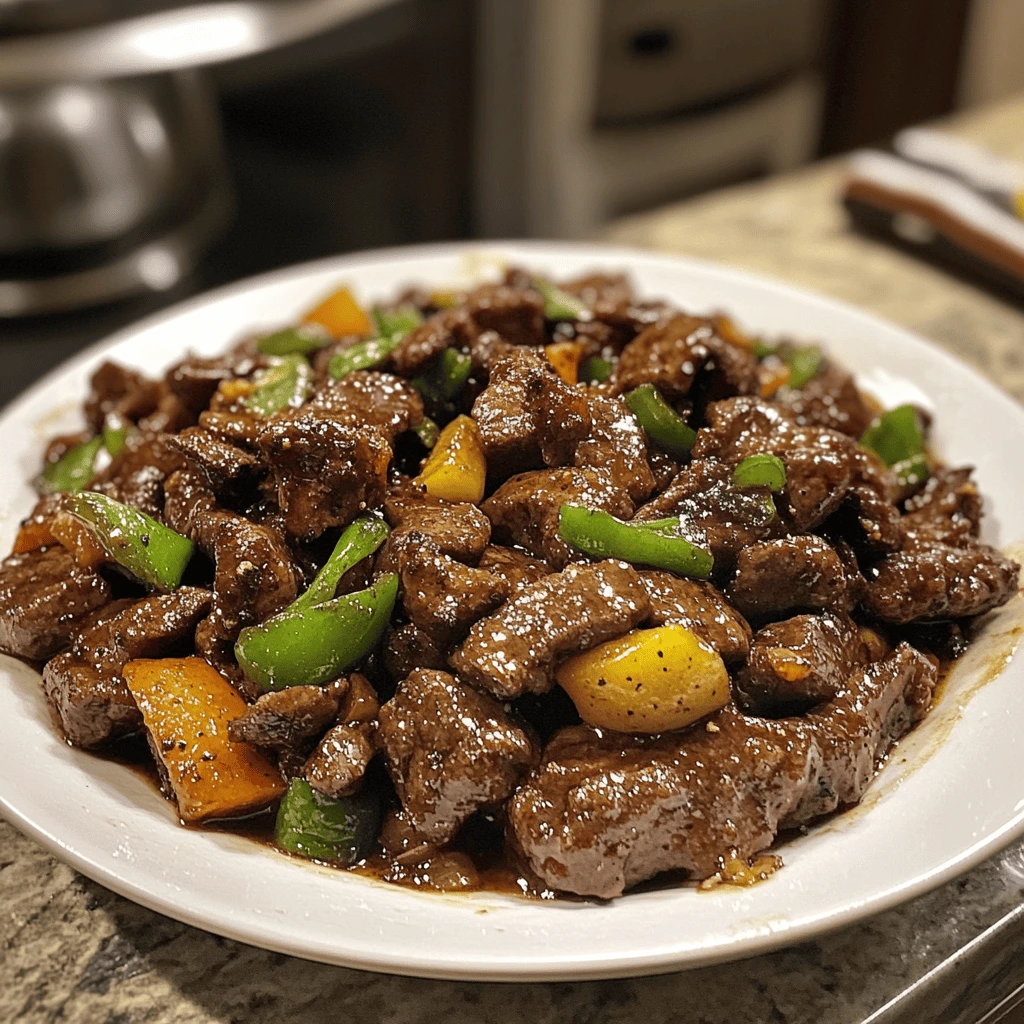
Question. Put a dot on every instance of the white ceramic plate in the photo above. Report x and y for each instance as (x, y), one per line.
(951, 795)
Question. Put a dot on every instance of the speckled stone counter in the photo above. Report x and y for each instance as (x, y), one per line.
(74, 952)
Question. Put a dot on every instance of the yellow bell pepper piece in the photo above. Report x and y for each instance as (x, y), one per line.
(340, 315)
(186, 706)
(456, 469)
(565, 357)
(648, 681)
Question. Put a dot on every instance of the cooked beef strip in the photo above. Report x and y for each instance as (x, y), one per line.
(450, 751)
(800, 662)
(137, 475)
(605, 812)
(713, 512)
(829, 399)
(449, 328)
(728, 370)
(337, 766)
(459, 529)
(524, 510)
(443, 597)
(234, 427)
(528, 416)
(514, 651)
(821, 465)
(289, 719)
(408, 647)
(144, 490)
(775, 577)
(84, 684)
(196, 378)
(946, 510)
(116, 388)
(517, 314)
(699, 607)
(44, 597)
(616, 446)
(668, 354)
(518, 570)
(929, 580)
(366, 398)
(228, 467)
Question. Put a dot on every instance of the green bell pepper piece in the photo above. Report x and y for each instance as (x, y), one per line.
(897, 439)
(399, 322)
(149, 550)
(761, 470)
(445, 377)
(358, 541)
(287, 383)
(73, 470)
(661, 421)
(595, 370)
(294, 341)
(115, 434)
(391, 330)
(559, 304)
(341, 831)
(804, 364)
(427, 431)
(601, 535)
(311, 645)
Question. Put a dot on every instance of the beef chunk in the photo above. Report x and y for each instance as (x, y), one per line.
(515, 568)
(116, 388)
(605, 812)
(366, 398)
(937, 581)
(528, 416)
(777, 576)
(800, 662)
(288, 719)
(324, 472)
(947, 510)
(821, 465)
(443, 598)
(713, 512)
(450, 751)
(44, 598)
(337, 766)
(514, 651)
(616, 446)
(458, 528)
(668, 354)
(228, 467)
(516, 314)
(729, 370)
(196, 378)
(699, 607)
(449, 328)
(84, 684)
(138, 473)
(829, 399)
(233, 427)
(408, 647)
(524, 510)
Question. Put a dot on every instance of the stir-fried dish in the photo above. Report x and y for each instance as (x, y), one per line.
(539, 575)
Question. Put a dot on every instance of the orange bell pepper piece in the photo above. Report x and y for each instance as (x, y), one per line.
(565, 357)
(340, 315)
(186, 706)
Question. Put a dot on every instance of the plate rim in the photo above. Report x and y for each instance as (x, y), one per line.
(588, 966)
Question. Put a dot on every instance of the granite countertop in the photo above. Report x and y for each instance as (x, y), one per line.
(74, 952)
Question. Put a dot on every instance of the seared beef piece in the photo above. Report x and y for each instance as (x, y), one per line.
(324, 472)
(528, 416)
(44, 598)
(800, 662)
(616, 317)
(229, 468)
(517, 314)
(524, 510)
(936, 581)
(169, 416)
(713, 512)
(116, 388)
(234, 427)
(821, 465)
(450, 751)
(829, 399)
(514, 651)
(255, 574)
(443, 597)
(668, 354)
(288, 719)
(366, 398)
(699, 607)
(728, 370)
(337, 766)
(458, 528)
(616, 446)
(196, 378)
(450, 328)
(408, 647)
(137, 476)
(84, 684)
(515, 568)
(774, 577)
(947, 510)
(605, 812)
(486, 350)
